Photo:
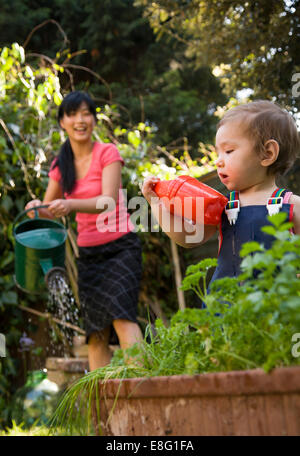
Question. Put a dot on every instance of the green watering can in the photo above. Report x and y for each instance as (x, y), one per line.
(39, 251)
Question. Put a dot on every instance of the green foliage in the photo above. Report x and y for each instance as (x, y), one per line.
(19, 430)
(259, 309)
(248, 323)
(27, 114)
(247, 44)
(195, 273)
(150, 81)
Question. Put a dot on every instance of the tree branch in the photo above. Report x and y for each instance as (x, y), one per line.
(66, 41)
(49, 316)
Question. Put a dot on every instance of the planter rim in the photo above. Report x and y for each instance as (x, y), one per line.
(236, 383)
(79, 365)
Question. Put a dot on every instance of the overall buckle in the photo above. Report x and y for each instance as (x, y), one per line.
(274, 205)
(232, 209)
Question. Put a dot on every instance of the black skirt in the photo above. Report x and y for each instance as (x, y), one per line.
(109, 278)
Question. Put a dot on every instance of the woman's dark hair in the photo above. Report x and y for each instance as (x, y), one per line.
(65, 159)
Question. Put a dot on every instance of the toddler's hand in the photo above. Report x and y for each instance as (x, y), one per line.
(32, 204)
(147, 188)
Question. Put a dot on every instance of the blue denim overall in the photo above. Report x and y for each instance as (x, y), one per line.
(247, 228)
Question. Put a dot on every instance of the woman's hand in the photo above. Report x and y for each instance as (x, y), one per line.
(60, 207)
(148, 188)
(32, 204)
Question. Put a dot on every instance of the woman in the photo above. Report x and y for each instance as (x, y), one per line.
(86, 178)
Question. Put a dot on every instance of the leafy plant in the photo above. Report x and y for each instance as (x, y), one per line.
(248, 323)
(20, 430)
(120, 61)
(28, 98)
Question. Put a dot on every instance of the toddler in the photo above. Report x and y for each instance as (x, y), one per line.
(255, 143)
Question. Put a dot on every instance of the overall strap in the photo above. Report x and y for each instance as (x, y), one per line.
(233, 198)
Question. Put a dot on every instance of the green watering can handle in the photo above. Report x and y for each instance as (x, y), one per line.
(35, 209)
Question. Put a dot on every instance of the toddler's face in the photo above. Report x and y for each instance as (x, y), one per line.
(238, 165)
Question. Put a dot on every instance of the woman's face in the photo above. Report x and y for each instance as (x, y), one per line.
(79, 124)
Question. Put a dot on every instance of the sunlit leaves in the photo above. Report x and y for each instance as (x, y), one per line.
(254, 44)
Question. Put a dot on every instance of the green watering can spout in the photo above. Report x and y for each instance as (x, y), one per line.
(39, 249)
(46, 264)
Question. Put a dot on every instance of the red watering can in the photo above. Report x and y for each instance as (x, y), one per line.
(181, 196)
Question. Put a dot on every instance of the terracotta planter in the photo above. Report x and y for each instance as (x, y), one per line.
(228, 403)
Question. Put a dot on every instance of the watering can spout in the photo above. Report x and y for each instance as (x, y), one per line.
(52, 275)
(46, 264)
(52, 272)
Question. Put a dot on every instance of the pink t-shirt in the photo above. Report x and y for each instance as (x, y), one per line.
(100, 228)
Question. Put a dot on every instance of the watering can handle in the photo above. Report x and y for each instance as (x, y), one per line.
(42, 206)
